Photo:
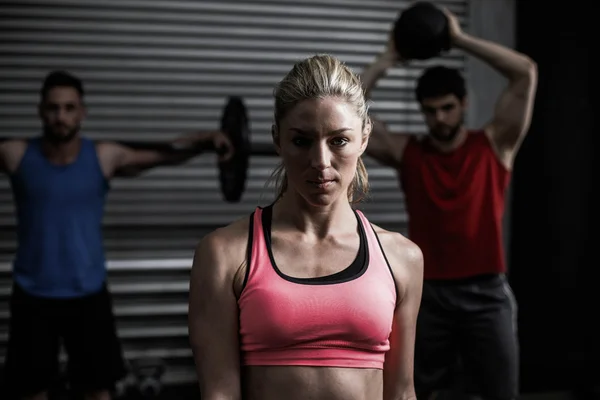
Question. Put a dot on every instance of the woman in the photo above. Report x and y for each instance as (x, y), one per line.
(299, 300)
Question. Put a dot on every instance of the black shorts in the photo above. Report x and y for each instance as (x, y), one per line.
(86, 328)
(467, 338)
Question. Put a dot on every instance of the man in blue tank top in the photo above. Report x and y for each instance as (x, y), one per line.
(60, 182)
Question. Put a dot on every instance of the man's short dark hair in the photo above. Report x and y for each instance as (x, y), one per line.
(440, 81)
(62, 79)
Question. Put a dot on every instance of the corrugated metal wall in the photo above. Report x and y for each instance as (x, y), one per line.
(157, 69)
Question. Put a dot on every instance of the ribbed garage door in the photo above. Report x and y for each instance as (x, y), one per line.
(157, 69)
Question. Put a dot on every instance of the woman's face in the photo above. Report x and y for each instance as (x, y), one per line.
(320, 142)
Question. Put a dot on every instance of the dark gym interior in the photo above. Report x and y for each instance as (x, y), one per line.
(157, 69)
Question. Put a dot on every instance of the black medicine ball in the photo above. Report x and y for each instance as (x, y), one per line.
(421, 32)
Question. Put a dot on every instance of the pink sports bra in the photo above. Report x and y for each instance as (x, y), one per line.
(340, 320)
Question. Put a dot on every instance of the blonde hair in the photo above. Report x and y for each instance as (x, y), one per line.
(318, 77)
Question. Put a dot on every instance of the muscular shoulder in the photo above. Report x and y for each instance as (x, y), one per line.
(106, 146)
(222, 253)
(11, 153)
(109, 153)
(404, 256)
(108, 150)
(225, 241)
(398, 248)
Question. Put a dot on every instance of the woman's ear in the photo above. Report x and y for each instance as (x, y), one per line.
(366, 135)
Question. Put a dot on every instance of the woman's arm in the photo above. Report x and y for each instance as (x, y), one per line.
(406, 261)
(213, 318)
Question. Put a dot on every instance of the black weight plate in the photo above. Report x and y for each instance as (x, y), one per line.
(233, 173)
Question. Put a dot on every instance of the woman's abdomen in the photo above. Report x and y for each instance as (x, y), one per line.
(316, 383)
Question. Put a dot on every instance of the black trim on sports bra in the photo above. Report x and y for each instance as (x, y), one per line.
(386, 261)
(249, 250)
(353, 271)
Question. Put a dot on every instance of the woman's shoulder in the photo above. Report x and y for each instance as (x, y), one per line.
(404, 256)
(224, 249)
(229, 234)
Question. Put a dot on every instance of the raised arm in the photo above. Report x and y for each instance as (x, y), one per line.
(385, 147)
(213, 320)
(514, 107)
(379, 68)
(406, 261)
(121, 160)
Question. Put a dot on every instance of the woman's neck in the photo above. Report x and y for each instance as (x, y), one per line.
(321, 221)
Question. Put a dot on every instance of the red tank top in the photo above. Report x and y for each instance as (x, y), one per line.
(455, 204)
(342, 320)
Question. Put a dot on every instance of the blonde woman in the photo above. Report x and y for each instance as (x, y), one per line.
(305, 299)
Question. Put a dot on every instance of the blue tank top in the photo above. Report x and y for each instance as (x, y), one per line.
(59, 223)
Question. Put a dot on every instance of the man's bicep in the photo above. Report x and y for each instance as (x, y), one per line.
(119, 160)
(134, 159)
(513, 113)
(213, 323)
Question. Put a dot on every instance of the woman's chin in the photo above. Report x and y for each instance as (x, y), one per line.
(322, 199)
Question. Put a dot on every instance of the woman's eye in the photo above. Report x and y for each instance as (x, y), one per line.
(339, 141)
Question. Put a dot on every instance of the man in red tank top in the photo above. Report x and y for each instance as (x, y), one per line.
(454, 180)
